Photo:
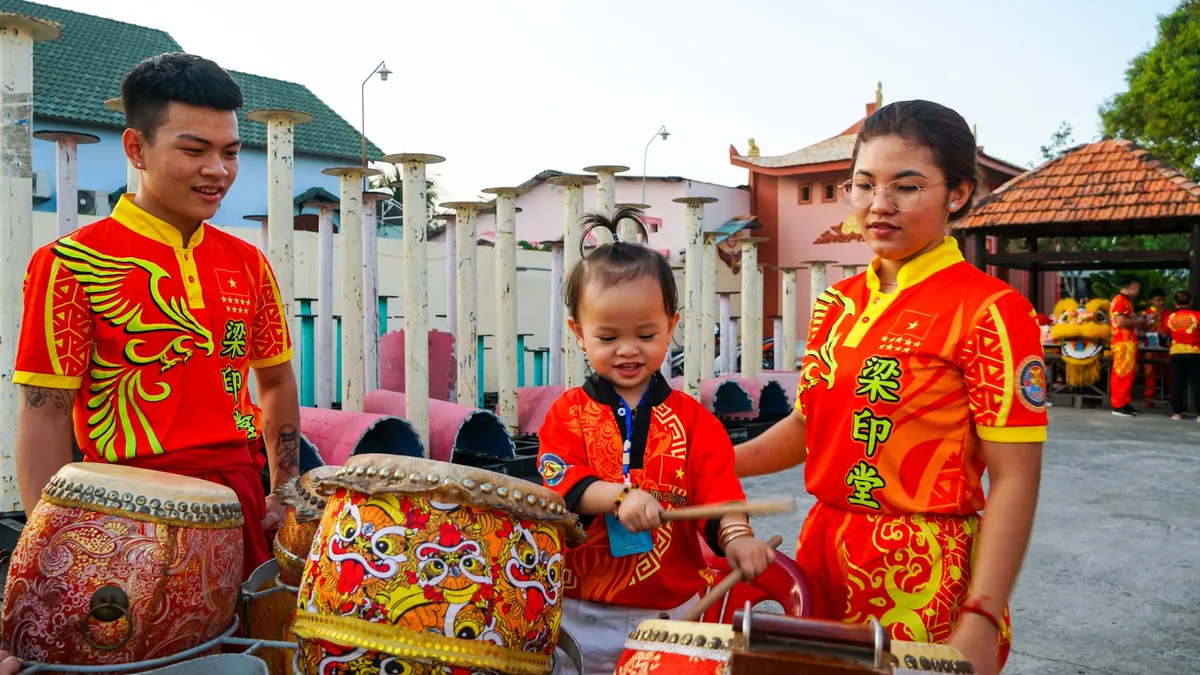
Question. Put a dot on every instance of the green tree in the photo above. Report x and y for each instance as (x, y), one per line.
(1161, 109)
(1060, 141)
(389, 180)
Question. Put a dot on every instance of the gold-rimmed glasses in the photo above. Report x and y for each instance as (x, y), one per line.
(904, 194)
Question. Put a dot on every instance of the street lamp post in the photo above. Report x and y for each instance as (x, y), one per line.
(662, 131)
(383, 73)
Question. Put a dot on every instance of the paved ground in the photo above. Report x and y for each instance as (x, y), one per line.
(1111, 584)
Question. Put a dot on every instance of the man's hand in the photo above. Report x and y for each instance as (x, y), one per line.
(43, 439)
(976, 638)
(275, 513)
(640, 512)
(749, 555)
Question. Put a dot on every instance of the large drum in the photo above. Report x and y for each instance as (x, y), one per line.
(118, 564)
(305, 503)
(421, 565)
(677, 648)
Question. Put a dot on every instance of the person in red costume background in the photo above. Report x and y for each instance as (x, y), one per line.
(172, 309)
(1156, 333)
(1125, 324)
(1184, 325)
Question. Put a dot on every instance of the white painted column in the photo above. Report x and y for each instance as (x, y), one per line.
(325, 345)
(451, 278)
(693, 300)
(350, 239)
(416, 289)
(606, 195)
(849, 270)
(370, 247)
(17, 35)
(281, 209)
(760, 312)
(554, 374)
(506, 302)
(66, 174)
(728, 337)
(628, 230)
(466, 329)
(574, 361)
(133, 175)
(789, 316)
(751, 306)
(708, 319)
(817, 285)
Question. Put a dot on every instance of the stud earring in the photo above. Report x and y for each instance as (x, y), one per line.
(953, 206)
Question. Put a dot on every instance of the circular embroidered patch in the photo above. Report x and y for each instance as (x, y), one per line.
(552, 469)
(1032, 383)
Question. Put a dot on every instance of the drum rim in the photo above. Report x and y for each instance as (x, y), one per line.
(64, 491)
(207, 490)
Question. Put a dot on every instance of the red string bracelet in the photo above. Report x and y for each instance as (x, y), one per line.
(975, 606)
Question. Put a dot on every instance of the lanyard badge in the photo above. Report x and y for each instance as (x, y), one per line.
(622, 542)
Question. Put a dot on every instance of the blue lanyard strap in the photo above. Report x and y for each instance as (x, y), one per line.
(627, 447)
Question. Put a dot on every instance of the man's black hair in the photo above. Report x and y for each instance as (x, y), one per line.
(154, 83)
(1158, 293)
(1128, 281)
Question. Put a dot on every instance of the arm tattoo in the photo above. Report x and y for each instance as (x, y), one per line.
(40, 397)
(287, 447)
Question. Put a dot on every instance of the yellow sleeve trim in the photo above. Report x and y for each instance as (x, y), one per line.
(66, 382)
(1012, 434)
(283, 357)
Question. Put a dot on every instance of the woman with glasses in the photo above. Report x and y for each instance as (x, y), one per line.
(918, 376)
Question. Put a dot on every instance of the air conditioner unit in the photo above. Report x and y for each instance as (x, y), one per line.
(93, 203)
(42, 185)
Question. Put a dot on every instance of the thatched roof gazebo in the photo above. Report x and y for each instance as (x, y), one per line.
(1109, 188)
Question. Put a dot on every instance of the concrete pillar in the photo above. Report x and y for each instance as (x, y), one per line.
(66, 174)
(728, 337)
(17, 35)
(817, 285)
(506, 302)
(574, 361)
(760, 312)
(708, 319)
(416, 288)
(370, 248)
(751, 307)
(451, 276)
(788, 276)
(466, 329)
(325, 346)
(554, 372)
(281, 208)
(261, 219)
(606, 194)
(133, 175)
(630, 231)
(353, 305)
(849, 270)
(693, 299)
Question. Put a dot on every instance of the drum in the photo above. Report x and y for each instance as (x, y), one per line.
(118, 564)
(421, 565)
(305, 504)
(267, 613)
(677, 648)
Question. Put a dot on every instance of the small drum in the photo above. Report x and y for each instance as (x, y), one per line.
(421, 565)
(677, 648)
(267, 614)
(305, 503)
(118, 564)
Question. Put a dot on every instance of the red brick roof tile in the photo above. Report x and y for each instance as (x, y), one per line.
(834, 235)
(1110, 180)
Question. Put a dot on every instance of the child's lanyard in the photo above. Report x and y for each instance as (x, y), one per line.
(627, 447)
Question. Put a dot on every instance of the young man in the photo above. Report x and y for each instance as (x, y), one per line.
(1124, 325)
(143, 324)
(1154, 315)
(1184, 325)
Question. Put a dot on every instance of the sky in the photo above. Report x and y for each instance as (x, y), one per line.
(507, 88)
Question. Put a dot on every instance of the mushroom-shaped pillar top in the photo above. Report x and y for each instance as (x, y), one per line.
(349, 171)
(603, 168)
(505, 191)
(729, 292)
(695, 200)
(332, 206)
(369, 195)
(265, 115)
(39, 30)
(819, 262)
(258, 218)
(465, 206)
(409, 157)
(752, 240)
(54, 136)
(115, 105)
(639, 207)
(575, 181)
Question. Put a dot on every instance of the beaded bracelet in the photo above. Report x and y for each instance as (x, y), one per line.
(621, 499)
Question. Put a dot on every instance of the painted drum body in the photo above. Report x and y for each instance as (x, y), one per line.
(677, 648)
(166, 549)
(305, 503)
(420, 565)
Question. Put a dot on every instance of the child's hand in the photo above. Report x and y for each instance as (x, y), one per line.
(749, 555)
(640, 512)
(9, 664)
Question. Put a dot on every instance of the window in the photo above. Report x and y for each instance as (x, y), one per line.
(830, 193)
(805, 196)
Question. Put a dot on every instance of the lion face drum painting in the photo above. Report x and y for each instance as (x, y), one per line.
(421, 565)
(305, 503)
(118, 564)
(677, 648)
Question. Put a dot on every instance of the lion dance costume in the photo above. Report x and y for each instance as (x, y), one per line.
(1081, 334)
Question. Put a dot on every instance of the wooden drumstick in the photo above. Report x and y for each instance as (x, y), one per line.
(723, 587)
(709, 511)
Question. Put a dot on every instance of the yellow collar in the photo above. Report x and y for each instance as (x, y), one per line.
(920, 268)
(135, 218)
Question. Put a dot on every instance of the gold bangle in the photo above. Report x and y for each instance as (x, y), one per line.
(733, 531)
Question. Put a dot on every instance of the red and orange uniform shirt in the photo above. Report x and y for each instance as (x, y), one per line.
(1121, 306)
(898, 390)
(1184, 326)
(680, 454)
(154, 333)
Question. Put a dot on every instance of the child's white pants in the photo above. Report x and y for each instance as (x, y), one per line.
(601, 631)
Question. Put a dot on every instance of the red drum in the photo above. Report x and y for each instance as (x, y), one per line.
(118, 564)
(677, 648)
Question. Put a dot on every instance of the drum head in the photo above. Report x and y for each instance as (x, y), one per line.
(147, 483)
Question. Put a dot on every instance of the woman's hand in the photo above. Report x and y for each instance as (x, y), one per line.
(976, 638)
(749, 555)
(640, 511)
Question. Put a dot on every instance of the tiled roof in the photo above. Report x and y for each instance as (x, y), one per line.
(74, 75)
(835, 235)
(836, 149)
(1106, 181)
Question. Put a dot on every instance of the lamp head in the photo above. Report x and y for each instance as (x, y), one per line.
(383, 72)
(664, 133)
